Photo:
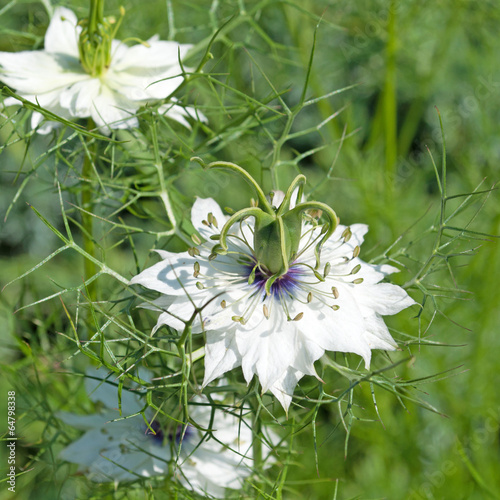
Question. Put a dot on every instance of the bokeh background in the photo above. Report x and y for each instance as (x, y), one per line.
(368, 155)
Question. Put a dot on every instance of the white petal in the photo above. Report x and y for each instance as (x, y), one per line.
(267, 350)
(101, 385)
(159, 54)
(49, 101)
(79, 98)
(199, 213)
(377, 335)
(85, 450)
(62, 34)
(385, 298)
(111, 110)
(85, 422)
(172, 276)
(284, 387)
(37, 72)
(221, 354)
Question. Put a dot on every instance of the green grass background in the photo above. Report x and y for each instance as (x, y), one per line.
(405, 59)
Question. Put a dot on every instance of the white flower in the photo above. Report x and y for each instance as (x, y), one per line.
(126, 449)
(55, 79)
(276, 336)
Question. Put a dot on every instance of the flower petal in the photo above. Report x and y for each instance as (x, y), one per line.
(284, 387)
(62, 34)
(199, 213)
(37, 72)
(221, 354)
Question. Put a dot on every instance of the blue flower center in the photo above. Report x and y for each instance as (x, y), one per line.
(158, 436)
(286, 283)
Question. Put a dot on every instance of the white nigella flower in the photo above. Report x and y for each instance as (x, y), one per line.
(126, 449)
(108, 83)
(278, 304)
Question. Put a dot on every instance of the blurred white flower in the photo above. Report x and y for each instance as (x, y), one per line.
(126, 449)
(276, 336)
(55, 78)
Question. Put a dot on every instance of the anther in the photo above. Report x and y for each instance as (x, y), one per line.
(347, 234)
(326, 272)
(196, 267)
(356, 269)
(238, 319)
(265, 310)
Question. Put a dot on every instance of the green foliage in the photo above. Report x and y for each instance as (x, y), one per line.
(345, 96)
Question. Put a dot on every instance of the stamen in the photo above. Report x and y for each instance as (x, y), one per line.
(335, 292)
(298, 317)
(238, 319)
(356, 251)
(357, 281)
(326, 272)
(347, 234)
(356, 269)
(195, 238)
(266, 311)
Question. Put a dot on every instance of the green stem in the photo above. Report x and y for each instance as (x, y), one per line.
(89, 266)
(390, 104)
(257, 442)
